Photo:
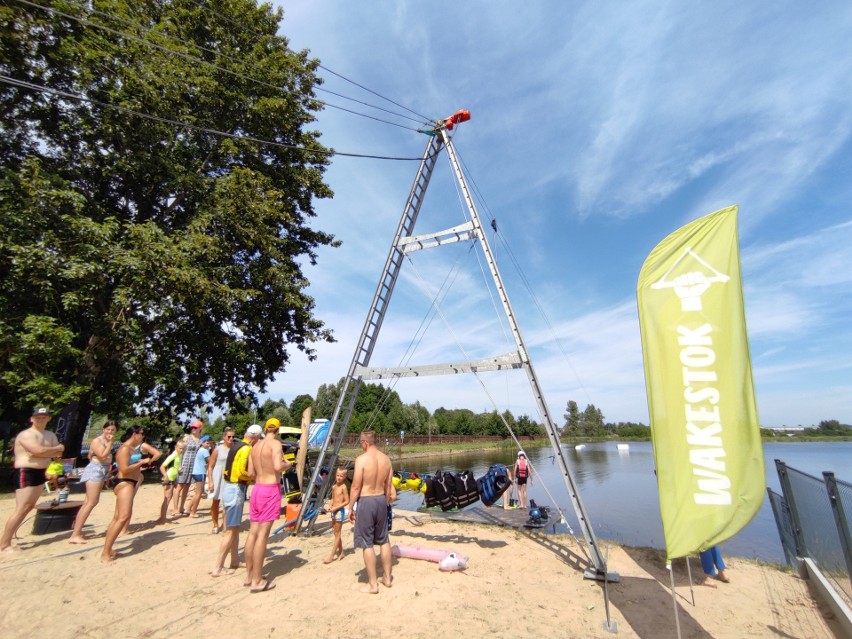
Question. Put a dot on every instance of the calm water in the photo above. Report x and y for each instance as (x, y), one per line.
(619, 489)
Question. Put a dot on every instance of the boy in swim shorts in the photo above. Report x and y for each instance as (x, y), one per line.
(339, 502)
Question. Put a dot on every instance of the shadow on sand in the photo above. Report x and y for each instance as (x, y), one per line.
(634, 596)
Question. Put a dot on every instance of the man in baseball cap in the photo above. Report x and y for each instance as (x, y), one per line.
(267, 461)
(34, 448)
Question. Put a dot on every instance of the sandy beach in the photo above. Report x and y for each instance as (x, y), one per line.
(515, 584)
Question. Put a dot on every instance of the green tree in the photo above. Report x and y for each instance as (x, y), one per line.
(148, 266)
(441, 422)
(529, 427)
(275, 408)
(409, 418)
(592, 422)
(298, 406)
(157, 428)
(631, 430)
(499, 428)
(572, 419)
(326, 401)
(828, 428)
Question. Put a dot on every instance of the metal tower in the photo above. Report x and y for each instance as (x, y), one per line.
(404, 242)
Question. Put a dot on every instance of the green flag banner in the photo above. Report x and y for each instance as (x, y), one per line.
(704, 422)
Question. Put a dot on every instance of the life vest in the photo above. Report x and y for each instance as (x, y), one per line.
(431, 500)
(229, 464)
(493, 484)
(523, 469)
(466, 491)
(443, 490)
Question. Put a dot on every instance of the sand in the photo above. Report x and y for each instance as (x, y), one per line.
(515, 585)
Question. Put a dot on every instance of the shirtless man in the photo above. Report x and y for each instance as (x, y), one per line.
(34, 448)
(266, 462)
(371, 494)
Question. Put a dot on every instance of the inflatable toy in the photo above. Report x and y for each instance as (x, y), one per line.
(446, 560)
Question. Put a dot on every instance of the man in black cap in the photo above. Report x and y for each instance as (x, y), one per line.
(34, 447)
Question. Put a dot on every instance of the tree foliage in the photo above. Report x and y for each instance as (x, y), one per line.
(298, 406)
(828, 428)
(630, 430)
(589, 423)
(572, 417)
(326, 401)
(148, 266)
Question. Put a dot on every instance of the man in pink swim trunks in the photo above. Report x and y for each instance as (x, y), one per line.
(266, 462)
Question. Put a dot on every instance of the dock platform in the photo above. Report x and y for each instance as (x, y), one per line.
(491, 515)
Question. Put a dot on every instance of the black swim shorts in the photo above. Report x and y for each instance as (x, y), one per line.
(29, 477)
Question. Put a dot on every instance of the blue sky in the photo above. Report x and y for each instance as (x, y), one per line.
(597, 129)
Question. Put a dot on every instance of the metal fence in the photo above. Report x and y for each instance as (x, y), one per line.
(814, 517)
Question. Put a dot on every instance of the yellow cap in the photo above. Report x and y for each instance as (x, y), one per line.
(273, 424)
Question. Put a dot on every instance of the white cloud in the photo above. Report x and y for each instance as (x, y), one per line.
(597, 129)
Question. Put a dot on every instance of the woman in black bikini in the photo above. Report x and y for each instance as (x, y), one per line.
(130, 464)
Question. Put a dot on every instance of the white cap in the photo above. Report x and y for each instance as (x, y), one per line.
(520, 452)
(254, 429)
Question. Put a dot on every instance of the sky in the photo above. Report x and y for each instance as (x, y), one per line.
(596, 130)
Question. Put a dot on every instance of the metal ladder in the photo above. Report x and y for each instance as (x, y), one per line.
(311, 499)
(359, 369)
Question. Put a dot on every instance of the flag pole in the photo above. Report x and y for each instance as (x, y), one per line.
(674, 597)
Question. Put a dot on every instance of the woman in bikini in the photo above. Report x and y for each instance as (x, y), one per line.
(100, 461)
(130, 464)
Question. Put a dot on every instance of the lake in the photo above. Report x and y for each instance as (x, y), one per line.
(619, 489)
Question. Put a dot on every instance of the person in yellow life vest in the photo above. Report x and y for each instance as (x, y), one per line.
(55, 473)
(235, 481)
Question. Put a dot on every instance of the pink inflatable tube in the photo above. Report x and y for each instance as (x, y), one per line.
(446, 560)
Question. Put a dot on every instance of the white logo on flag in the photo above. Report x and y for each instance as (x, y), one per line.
(692, 284)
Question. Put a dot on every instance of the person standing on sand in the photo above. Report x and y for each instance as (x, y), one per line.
(711, 559)
(34, 447)
(130, 464)
(215, 468)
(93, 477)
(235, 481)
(199, 474)
(266, 462)
(169, 471)
(192, 443)
(371, 494)
(337, 508)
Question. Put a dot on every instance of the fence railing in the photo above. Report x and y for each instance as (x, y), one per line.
(813, 519)
(393, 439)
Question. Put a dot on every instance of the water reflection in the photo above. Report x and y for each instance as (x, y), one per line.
(588, 463)
(619, 489)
